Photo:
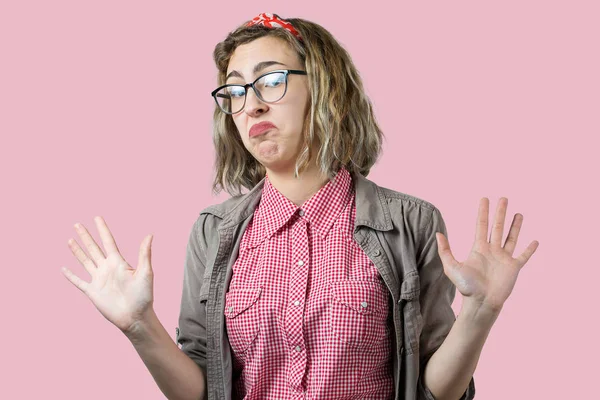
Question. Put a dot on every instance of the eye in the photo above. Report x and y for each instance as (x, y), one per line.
(236, 91)
(274, 80)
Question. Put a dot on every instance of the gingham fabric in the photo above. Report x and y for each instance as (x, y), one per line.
(306, 310)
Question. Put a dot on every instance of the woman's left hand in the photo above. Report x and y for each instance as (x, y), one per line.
(488, 275)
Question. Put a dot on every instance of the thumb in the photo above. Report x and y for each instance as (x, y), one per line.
(444, 251)
(146, 253)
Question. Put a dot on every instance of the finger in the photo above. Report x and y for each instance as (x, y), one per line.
(528, 252)
(481, 228)
(106, 236)
(145, 254)
(498, 227)
(513, 234)
(80, 255)
(444, 251)
(90, 244)
(75, 280)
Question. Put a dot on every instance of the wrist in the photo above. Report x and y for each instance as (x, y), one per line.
(142, 329)
(479, 313)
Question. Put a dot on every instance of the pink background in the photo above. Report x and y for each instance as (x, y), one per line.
(105, 110)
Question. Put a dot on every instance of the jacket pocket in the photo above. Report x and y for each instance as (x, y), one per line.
(413, 323)
(242, 317)
(359, 313)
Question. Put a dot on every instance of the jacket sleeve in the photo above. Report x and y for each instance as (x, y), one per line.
(436, 296)
(191, 332)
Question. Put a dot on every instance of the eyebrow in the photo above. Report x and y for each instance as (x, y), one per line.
(257, 68)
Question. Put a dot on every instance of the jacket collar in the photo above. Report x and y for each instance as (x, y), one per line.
(372, 209)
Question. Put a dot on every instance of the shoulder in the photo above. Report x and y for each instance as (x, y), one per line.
(221, 210)
(236, 206)
(417, 213)
(392, 208)
(418, 218)
(225, 214)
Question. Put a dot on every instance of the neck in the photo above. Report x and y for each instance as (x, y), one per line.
(300, 189)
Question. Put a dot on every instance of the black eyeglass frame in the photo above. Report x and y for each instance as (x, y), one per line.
(247, 85)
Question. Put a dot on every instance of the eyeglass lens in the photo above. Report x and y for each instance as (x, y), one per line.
(269, 88)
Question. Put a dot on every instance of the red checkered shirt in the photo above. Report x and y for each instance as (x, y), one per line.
(306, 310)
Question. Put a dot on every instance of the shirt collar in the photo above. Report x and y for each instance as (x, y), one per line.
(372, 209)
(325, 206)
(321, 210)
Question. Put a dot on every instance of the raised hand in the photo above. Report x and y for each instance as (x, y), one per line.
(488, 276)
(122, 294)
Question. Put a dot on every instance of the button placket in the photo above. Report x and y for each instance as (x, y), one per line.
(298, 280)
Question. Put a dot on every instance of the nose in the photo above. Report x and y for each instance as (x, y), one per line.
(254, 106)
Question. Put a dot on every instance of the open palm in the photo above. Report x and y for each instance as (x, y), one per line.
(489, 273)
(122, 294)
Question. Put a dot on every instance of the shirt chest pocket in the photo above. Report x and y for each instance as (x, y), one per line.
(242, 317)
(359, 313)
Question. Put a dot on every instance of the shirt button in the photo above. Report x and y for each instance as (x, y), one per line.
(364, 304)
(298, 348)
(377, 253)
(230, 309)
(301, 213)
(300, 263)
(296, 303)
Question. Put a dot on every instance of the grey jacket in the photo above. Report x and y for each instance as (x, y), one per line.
(395, 230)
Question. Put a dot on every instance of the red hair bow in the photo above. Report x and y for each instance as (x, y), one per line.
(273, 21)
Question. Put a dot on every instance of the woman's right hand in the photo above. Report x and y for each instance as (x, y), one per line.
(122, 294)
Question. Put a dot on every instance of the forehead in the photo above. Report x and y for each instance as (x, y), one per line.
(266, 48)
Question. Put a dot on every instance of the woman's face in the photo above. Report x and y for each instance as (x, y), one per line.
(277, 148)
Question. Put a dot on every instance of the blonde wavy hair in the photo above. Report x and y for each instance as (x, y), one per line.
(340, 116)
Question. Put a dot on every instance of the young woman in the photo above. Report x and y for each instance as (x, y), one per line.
(316, 283)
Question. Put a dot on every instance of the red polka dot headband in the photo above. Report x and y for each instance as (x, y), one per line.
(273, 21)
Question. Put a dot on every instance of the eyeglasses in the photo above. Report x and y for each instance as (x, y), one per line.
(269, 88)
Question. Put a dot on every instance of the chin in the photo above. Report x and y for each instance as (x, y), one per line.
(277, 164)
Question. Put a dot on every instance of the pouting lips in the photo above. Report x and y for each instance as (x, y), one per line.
(260, 128)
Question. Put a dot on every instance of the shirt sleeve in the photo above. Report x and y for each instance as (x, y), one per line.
(191, 332)
(436, 297)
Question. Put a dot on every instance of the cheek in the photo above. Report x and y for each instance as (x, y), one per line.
(240, 126)
(304, 105)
